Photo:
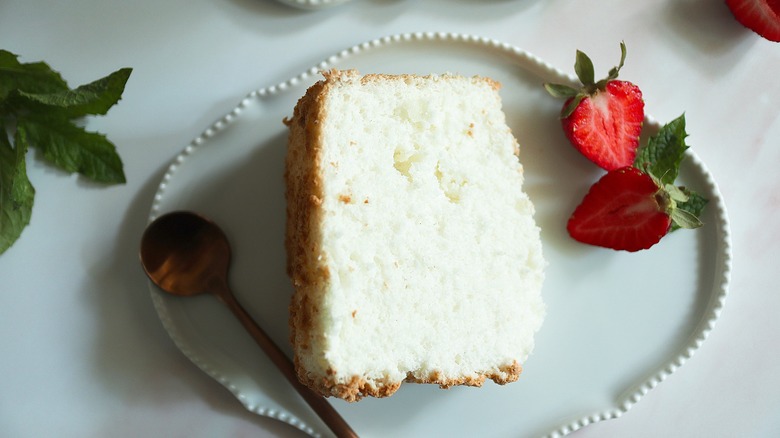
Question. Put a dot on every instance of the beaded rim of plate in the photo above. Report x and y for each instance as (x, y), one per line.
(312, 4)
(700, 334)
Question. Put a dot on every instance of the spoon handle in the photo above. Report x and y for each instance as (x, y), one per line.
(324, 410)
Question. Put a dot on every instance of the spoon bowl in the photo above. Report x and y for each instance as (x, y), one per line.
(185, 254)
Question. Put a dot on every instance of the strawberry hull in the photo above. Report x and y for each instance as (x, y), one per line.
(605, 127)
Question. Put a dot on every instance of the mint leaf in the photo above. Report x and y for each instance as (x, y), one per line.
(35, 77)
(16, 192)
(74, 149)
(664, 152)
(95, 98)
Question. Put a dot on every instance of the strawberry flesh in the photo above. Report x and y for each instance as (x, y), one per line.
(761, 16)
(621, 211)
(605, 127)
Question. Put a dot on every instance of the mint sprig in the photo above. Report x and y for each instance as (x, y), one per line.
(661, 157)
(39, 110)
(664, 152)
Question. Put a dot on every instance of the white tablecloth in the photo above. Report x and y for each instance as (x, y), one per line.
(82, 352)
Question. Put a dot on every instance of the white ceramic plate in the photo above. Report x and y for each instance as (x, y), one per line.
(617, 325)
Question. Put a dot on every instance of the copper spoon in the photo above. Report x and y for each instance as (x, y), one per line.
(186, 254)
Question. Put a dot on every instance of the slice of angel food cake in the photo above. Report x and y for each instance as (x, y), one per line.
(411, 246)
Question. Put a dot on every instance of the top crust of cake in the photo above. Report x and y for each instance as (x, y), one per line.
(410, 243)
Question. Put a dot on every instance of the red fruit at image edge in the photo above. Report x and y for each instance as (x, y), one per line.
(621, 211)
(761, 16)
(605, 127)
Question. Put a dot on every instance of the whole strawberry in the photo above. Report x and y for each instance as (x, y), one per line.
(630, 208)
(602, 119)
(761, 16)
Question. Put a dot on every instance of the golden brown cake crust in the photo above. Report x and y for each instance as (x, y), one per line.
(304, 197)
(358, 388)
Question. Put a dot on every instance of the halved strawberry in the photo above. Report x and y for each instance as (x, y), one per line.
(623, 210)
(602, 119)
(629, 209)
(761, 16)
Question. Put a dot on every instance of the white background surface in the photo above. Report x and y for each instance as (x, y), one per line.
(82, 352)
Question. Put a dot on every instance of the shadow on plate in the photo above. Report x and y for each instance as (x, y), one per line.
(133, 355)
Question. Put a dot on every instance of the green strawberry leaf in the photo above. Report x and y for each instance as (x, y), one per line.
(662, 154)
(36, 77)
(95, 98)
(16, 192)
(613, 73)
(684, 219)
(693, 206)
(571, 106)
(583, 66)
(560, 91)
(677, 194)
(74, 149)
